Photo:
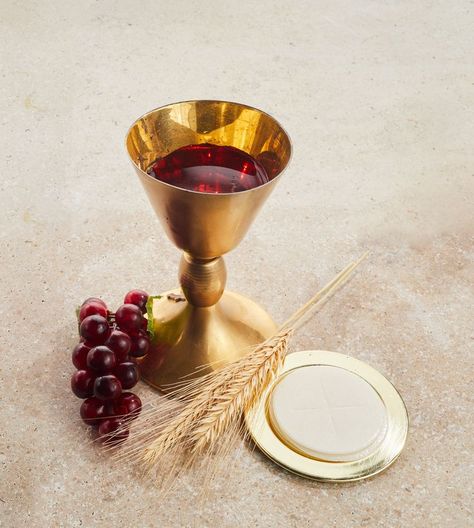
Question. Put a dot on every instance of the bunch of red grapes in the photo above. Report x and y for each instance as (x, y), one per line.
(106, 365)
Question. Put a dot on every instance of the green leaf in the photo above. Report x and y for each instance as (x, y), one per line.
(149, 313)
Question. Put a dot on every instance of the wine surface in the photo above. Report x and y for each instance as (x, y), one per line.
(209, 168)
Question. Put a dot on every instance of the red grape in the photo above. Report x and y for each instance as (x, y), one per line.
(79, 356)
(109, 408)
(138, 298)
(92, 308)
(105, 359)
(129, 318)
(107, 387)
(95, 329)
(92, 411)
(107, 429)
(101, 359)
(120, 343)
(82, 383)
(129, 405)
(140, 344)
(127, 373)
(94, 299)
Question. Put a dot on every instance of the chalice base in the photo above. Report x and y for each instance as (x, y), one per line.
(189, 341)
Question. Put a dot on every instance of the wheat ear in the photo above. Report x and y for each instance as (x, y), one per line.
(250, 375)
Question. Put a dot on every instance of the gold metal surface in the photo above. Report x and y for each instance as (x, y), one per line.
(187, 337)
(259, 424)
(211, 325)
(202, 224)
(202, 281)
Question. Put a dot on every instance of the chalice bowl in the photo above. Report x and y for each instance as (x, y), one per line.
(201, 327)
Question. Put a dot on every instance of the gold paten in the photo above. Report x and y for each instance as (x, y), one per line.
(212, 327)
(258, 421)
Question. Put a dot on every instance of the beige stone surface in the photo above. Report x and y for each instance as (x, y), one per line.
(378, 99)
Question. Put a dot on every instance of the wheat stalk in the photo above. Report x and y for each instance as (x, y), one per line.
(196, 414)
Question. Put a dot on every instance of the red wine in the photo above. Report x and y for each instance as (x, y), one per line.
(209, 168)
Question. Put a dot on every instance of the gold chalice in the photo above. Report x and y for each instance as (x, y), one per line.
(211, 326)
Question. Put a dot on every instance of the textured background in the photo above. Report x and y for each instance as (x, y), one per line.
(378, 99)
